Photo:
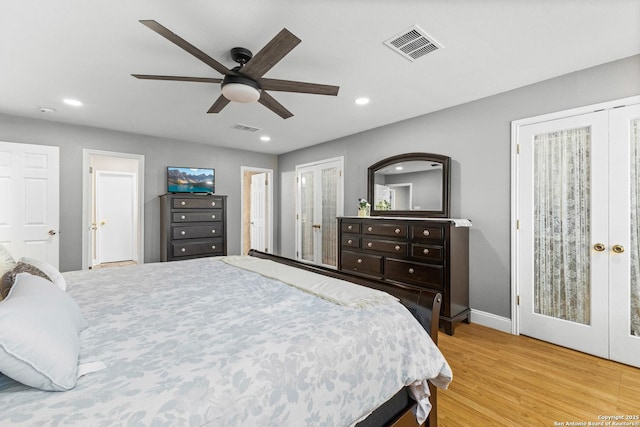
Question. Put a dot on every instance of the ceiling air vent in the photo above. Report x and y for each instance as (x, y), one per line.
(413, 43)
(245, 128)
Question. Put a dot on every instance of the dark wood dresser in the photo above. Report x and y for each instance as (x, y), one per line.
(428, 253)
(192, 226)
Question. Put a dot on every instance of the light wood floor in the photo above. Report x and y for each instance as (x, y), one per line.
(501, 379)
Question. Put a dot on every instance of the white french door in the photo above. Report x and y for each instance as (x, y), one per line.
(319, 202)
(576, 208)
(624, 235)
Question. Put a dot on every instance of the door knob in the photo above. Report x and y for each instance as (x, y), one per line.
(618, 249)
(599, 247)
(52, 232)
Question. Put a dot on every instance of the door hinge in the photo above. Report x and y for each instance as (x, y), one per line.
(518, 300)
(517, 148)
(517, 224)
(297, 216)
(90, 169)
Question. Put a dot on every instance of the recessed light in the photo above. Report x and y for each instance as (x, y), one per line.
(265, 138)
(362, 101)
(72, 102)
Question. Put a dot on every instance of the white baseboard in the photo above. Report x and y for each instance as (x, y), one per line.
(491, 320)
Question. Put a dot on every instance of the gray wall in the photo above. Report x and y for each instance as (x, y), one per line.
(477, 137)
(159, 153)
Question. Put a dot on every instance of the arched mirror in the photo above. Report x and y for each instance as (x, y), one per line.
(412, 184)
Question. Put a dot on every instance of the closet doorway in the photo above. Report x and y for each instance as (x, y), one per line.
(576, 241)
(319, 201)
(113, 209)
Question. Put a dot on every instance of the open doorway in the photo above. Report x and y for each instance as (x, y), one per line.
(257, 209)
(113, 209)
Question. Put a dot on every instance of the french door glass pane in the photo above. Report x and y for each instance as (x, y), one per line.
(329, 213)
(307, 215)
(562, 222)
(635, 231)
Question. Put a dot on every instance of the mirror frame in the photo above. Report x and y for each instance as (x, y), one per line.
(427, 157)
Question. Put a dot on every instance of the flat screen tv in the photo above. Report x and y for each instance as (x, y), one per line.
(190, 180)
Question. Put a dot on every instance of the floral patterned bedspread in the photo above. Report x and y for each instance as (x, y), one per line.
(203, 343)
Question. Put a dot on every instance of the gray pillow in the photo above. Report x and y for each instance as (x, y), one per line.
(10, 276)
(39, 342)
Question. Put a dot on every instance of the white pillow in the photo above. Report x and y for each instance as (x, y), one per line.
(47, 269)
(6, 260)
(39, 342)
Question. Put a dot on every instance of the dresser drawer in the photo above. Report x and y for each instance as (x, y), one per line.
(350, 227)
(388, 246)
(363, 263)
(197, 203)
(350, 241)
(431, 276)
(197, 247)
(197, 232)
(427, 252)
(431, 232)
(396, 230)
(198, 216)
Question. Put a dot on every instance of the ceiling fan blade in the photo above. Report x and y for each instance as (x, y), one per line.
(300, 87)
(177, 78)
(182, 43)
(270, 102)
(270, 54)
(217, 106)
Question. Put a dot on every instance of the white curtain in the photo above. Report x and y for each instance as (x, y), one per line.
(635, 230)
(562, 221)
(329, 214)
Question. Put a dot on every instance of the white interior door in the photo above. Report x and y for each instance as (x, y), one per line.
(319, 203)
(29, 190)
(624, 234)
(258, 213)
(115, 216)
(563, 215)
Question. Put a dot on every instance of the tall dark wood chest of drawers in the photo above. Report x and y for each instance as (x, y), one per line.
(428, 253)
(192, 226)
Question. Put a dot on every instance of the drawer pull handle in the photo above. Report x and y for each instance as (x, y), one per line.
(397, 248)
(426, 232)
(183, 232)
(213, 203)
(183, 217)
(359, 260)
(213, 247)
(370, 228)
(213, 231)
(349, 227)
(213, 217)
(370, 244)
(183, 249)
(183, 203)
(349, 241)
(397, 230)
(411, 271)
(425, 251)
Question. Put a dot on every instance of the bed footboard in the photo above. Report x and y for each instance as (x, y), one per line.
(424, 304)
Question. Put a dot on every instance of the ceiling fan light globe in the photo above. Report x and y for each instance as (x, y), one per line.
(239, 92)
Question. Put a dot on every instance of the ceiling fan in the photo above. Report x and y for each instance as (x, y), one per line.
(244, 83)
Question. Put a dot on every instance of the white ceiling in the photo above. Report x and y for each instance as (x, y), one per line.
(87, 50)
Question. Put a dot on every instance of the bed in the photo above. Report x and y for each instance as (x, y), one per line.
(214, 342)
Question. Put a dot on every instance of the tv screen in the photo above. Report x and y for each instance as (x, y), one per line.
(190, 180)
